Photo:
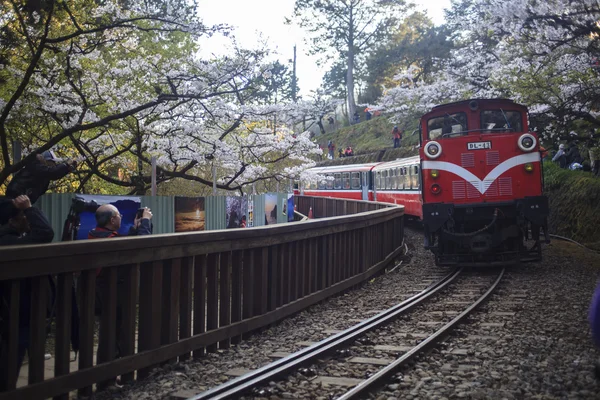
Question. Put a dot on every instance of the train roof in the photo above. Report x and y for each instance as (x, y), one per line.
(345, 168)
(401, 162)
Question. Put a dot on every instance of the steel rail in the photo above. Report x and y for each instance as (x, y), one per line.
(360, 390)
(238, 386)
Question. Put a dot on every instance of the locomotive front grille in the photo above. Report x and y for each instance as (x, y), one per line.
(467, 160)
(459, 190)
(492, 158)
(491, 188)
(505, 185)
(472, 191)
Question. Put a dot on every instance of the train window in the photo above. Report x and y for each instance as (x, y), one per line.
(415, 177)
(407, 178)
(346, 180)
(385, 180)
(378, 180)
(394, 179)
(329, 182)
(498, 121)
(313, 184)
(447, 125)
(296, 185)
(400, 178)
(355, 180)
(338, 181)
(322, 182)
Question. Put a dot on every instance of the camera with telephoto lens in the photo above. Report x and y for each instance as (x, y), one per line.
(80, 205)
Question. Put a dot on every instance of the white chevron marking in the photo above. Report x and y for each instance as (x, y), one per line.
(491, 177)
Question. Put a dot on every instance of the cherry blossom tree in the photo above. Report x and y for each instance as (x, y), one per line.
(118, 85)
(538, 53)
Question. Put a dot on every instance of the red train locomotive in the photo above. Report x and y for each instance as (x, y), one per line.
(476, 185)
(482, 183)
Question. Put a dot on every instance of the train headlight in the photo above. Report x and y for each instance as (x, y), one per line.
(436, 189)
(529, 167)
(527, 142)
(433, 149)
(434, 173)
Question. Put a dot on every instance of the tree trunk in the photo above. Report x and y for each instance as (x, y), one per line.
(321, 127)
(350, 71)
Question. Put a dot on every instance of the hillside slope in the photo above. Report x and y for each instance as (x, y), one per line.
(371, 141)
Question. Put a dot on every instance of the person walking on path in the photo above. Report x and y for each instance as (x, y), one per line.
(397, 136)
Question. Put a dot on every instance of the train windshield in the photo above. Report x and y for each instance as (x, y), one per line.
(447, 125)
(498, 121)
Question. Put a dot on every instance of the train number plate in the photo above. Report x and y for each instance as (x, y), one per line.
(479, 145)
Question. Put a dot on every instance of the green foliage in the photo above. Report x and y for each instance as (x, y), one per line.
(574, 198)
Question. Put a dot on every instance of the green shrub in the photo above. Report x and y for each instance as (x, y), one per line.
(574, 198)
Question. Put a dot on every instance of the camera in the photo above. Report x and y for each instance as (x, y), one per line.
(139, 213)
(80, 205)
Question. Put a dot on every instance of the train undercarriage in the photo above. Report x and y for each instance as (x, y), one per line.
(486, 234)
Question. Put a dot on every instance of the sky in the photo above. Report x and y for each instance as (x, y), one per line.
(256, 20)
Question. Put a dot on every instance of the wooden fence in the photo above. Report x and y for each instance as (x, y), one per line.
(172, 297)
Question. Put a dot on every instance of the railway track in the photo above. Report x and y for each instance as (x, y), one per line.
(371, 344)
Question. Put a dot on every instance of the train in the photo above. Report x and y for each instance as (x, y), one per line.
(476, 185)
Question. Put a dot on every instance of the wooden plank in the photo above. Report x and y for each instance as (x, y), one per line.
(236, 290)
(37, 329)
(107, 341)
(129, 299)
(372, 361)
(273, 279)
(8, 364)
(284, 269)
(294, 265)
(212, 296)
(337, 381)
(62, 354)
(170, 304)
(185, 301)
(308, 277)
(150, 309)
(200, 299)
(86, 377)
(225, 295)
(87, 288)
(248, 283)
(323, 263)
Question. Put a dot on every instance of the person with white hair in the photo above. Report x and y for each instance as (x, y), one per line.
(560, 156)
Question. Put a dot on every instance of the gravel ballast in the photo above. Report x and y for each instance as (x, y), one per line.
(543, 348)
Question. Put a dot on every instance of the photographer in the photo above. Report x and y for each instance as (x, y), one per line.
(108, 220)
(34, 179)
(22, 224)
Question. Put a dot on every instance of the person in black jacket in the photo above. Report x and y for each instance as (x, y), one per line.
(33, 180)
(21, 224)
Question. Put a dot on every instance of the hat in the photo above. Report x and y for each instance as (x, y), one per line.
(7, 211)
(50, 156)
(561, 146)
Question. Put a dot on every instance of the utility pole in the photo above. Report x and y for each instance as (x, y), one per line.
(294, 79)
(153, 181)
